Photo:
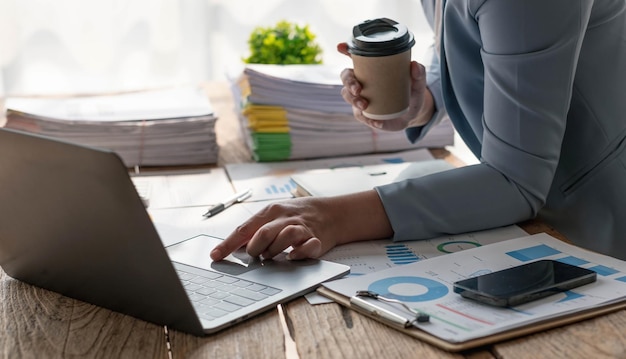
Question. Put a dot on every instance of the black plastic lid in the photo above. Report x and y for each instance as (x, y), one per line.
(380, 37)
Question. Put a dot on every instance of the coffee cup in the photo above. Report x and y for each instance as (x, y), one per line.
(381, 55)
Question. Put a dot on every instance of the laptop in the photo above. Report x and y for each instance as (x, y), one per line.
(71, 221)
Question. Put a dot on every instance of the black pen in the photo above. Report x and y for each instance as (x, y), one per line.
(237, 198)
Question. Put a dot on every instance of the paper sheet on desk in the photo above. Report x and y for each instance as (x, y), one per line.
(372, 256)
(355, 179)
(427, 287)
(272, 180)
(178, 224)
(183, 188)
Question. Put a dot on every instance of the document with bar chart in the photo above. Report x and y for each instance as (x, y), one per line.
(370, 256)
(427, 286)
(272, 180)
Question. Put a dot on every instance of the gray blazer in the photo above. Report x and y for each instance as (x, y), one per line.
(537, 90)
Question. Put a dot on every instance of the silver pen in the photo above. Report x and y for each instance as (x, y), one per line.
(385, 315)
(237, 198)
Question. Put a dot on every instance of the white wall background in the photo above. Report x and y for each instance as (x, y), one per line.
(52, 46)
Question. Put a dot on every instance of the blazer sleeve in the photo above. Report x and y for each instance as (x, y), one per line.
(433, 79)
(529, 52)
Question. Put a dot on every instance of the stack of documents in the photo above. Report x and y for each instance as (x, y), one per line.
(150, 128)
(297, 112)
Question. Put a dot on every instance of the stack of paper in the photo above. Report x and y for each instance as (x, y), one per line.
(297, 112)
(151, 128)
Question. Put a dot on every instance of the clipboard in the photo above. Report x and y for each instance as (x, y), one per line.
(474, 343)
(458, 324)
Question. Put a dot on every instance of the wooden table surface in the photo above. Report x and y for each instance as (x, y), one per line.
(36, 323)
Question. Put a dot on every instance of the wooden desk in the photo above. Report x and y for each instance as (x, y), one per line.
(36, 323)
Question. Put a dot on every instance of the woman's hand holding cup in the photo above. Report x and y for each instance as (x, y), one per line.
(386, 89)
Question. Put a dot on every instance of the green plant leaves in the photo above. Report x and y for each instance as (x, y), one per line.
(285, 43)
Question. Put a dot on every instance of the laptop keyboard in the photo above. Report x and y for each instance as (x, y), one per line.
(214, 295)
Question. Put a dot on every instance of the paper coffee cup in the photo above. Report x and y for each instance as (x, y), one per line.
(381, 55)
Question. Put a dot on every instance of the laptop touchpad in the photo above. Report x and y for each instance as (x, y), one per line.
(195, 252)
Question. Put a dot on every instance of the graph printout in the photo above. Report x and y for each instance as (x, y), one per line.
(427, 286)
(272, 180)
(370, 256)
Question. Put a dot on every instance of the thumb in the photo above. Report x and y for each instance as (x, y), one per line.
(342, 47)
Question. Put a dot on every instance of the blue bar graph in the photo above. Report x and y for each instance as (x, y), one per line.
(393, 160)
(604, 270)
(281, 188)
(532, 253)
(400, 254)
(573, 260)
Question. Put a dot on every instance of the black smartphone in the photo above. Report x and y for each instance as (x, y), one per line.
(524, 283)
